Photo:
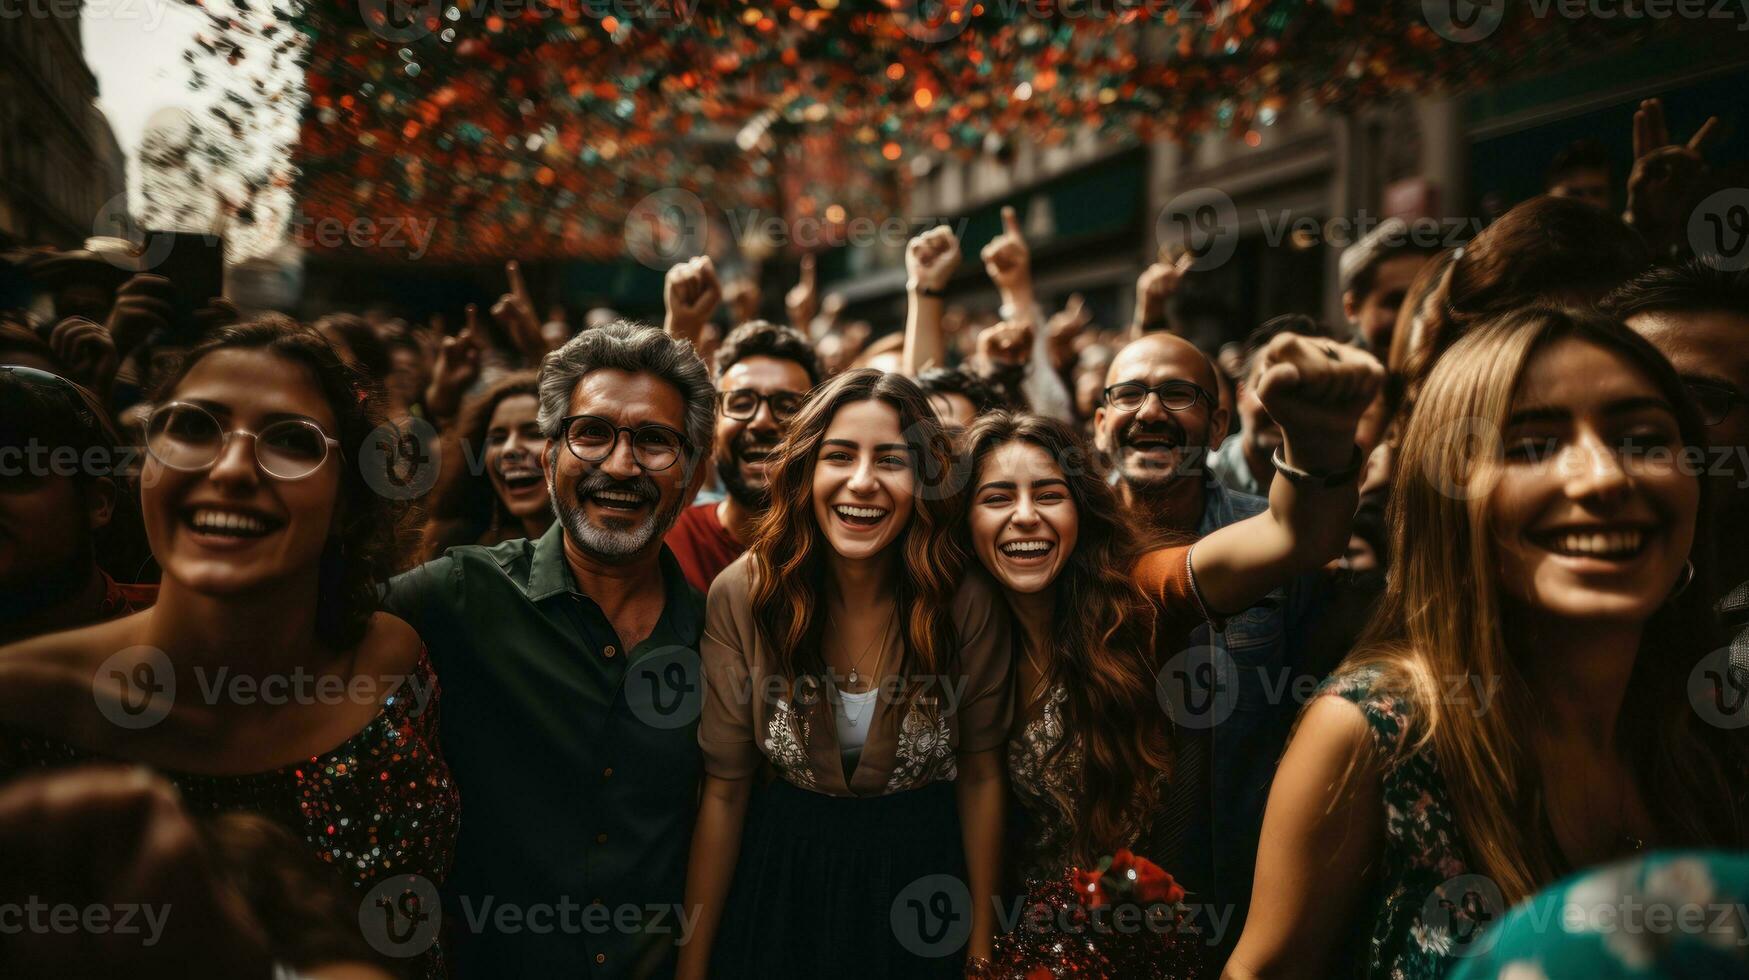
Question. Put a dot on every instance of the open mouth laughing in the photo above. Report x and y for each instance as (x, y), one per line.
(861, 518)
(229, 525)
(1027, 551)
(1611, 544)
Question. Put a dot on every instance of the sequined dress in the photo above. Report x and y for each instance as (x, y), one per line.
(380, 804)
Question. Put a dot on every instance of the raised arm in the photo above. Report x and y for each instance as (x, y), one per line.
(1317, 391)
(1154, 287)
(930, 259)
(690, 294)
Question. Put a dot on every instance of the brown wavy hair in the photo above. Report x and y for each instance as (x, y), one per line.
(371, 529)
(464, 505)
(1102, 641)
(790, 551)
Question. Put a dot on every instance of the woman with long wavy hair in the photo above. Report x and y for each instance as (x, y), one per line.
(491, 488)
(1525, 702)
(265, 678)
(1098, 612)
(854, 651)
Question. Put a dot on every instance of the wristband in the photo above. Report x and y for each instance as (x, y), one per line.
(931, 293)
(1300, 477)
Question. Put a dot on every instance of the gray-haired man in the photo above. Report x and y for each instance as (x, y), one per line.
(569, 668)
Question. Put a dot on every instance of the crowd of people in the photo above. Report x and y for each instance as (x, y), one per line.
(728, 647)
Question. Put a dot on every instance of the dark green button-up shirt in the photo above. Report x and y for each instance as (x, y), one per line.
(577, 760)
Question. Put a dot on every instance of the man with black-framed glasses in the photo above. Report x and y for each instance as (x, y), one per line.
(1697, 315)
(764, 373)
(570, 676)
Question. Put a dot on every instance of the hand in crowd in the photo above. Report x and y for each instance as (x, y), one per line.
(802, 301)
(514, 312)
(690, 296)
(88, 351)
(931, 258)
(1005, 344)
(111, 839)
(1065, 328)
(457, 367)
(1008, 262)
(1154, 287)
(742, 296)
(1317, 390)
(143, 305)
(1667, 178)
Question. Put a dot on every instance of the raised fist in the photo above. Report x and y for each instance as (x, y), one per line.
(931, 258)
(1317, 390)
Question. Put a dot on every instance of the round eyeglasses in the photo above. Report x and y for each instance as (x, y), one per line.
(185, 436)
(1715, 401)
(592, 439)
(1175, 396)
(743, 403)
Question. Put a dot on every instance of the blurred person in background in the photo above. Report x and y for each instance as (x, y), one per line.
(1697, 315)
(491, 487)
(958, 396)
(67, 509)
(1581, 172)
(1374, 274)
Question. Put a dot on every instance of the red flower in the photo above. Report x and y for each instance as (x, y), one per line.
(1155, 885)
(1089, 890)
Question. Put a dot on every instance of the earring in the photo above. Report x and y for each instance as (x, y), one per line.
(1686, 580)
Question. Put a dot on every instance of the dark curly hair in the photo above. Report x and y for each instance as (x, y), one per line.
(367, 547)
(1102, 645)
(762, 338)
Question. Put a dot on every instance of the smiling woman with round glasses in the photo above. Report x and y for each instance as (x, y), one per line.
(265, 678)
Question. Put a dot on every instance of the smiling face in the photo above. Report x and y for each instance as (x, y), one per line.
(514, 446)
(1024, 523)
(1152, 444)
(744, 445)
(231, 528)
(863, 480)
(1592, 517)
(615, 510)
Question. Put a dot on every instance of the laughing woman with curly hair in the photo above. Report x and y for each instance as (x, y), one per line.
(854, 650)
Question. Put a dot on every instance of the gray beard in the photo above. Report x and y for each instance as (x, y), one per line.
(611, 544)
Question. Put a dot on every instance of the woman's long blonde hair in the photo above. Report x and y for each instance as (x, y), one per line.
(1442, 621)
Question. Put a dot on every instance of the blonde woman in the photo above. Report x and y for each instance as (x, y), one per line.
(1520, 707)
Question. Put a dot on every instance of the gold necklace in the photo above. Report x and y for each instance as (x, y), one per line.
(880, 639)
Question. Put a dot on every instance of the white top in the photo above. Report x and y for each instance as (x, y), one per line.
(854, 715)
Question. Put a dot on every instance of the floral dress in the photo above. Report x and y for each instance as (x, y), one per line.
(1430, 907)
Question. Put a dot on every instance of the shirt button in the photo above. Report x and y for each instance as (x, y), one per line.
(605, 773)
(608, 651)
(600, 838)
(600, 958)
